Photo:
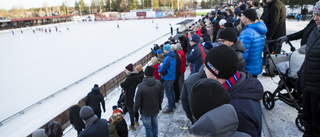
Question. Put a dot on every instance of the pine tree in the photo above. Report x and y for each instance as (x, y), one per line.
(108, 5)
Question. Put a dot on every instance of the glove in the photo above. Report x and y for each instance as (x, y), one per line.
(283, 39)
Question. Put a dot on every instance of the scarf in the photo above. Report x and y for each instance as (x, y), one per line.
(90, 121)
(231, 81)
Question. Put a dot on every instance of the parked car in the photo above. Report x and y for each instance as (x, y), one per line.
(292, 15)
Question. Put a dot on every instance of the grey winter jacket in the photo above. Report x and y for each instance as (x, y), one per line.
(148, 97)
(310, 74)
(219, 122)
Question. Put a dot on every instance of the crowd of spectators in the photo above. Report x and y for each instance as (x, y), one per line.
(224, 52)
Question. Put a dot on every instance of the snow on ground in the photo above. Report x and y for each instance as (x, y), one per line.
(36, 65)
(279, 122)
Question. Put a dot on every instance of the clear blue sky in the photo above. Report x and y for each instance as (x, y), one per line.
(8, 4)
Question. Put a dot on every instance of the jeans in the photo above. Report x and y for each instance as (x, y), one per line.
(168, 88)
(151, 125)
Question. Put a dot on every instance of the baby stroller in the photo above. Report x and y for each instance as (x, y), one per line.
(286, 66)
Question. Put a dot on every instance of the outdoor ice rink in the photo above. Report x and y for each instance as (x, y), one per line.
(36, 65)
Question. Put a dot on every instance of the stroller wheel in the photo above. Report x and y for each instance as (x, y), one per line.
(268, 100)
(299, 123)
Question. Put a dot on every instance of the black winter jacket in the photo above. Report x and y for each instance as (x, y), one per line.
(178, 64)
(186, 91)
(204, 34)
(149, 96)
(303, 34)
(74, 117)
(239, 48)
(310, 74)
(276, 20)
(129, 87)
(94, 98)
(122, 128)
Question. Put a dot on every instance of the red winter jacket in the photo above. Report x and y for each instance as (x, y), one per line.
(183, 62)
(199, 32)
(156, 73)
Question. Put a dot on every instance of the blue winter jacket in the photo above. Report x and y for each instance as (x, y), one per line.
(245, 95)
(195, 58)
(169, 65)
(253, 39)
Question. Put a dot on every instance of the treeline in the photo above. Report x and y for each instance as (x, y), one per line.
(96, 6)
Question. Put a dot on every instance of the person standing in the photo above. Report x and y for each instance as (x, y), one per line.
(302, 34)
(39, 133)
(95, 127)
(228, 36)
(186, 92)
(140, 71)
(94, 98)
(211, 108)
(310, 78)
(129, 87)
(75, 119)
(120, 124)
(148, 99)
(197, 54)
(53, 129)
(171, 30)
(304, 13)
(245, 91)
(155, 63)
(252, 38)
(167, 71)
(182, 66)
(176, 87)
(276, 23)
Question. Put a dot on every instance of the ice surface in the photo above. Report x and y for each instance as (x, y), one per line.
(34, 66)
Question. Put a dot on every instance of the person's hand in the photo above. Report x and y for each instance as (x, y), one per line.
(283, 39)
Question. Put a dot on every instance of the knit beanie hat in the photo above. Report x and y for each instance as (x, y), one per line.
(159, 51)
(207, 94)
(167, 47)
(53, 129)
(39, 133)
(96, 85)
(138, 68)
(149, 71)
(222, 22)
(222, 61)
(228, 24)
(208, 45)
(243, 7)
(317, 8)
(251, 14)
(228, 34)
(86, 112)
(129, 67)
(195, 38)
